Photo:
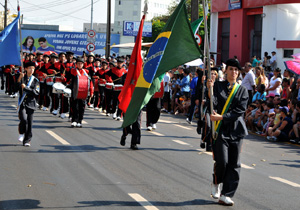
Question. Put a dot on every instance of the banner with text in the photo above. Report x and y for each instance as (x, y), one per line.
(35, 40)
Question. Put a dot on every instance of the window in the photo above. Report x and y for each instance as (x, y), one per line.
(288, 53)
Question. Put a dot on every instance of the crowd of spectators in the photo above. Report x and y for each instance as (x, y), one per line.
(274, 96)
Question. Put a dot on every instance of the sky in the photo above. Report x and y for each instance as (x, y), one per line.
(69, 14)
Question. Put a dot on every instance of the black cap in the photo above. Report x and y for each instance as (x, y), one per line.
(46, 55)
(53, 55)
(120, 60)
(98, 59)
(111, 63)
(27, 64)
(69, 53)
(62, 53)
(91, 55)
(39, 53)
(31, 54)
(234, 63)
(104, 62)
(79, 59)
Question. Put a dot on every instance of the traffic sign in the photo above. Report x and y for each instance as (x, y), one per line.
(90, 47)
(91, 33)
(198, 39)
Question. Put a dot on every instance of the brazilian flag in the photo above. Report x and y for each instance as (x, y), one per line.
(174, 46)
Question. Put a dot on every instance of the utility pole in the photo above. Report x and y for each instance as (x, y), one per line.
(5, 14)
(107, 49)
(92, 11)
(194, 10)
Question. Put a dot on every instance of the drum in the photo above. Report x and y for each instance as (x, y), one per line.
(49, 80)
(67, 92)
(109, 86)
(81, 87)
(41, 78)
(118, 87)
(58, 88)
(102, 82)
(58, 79)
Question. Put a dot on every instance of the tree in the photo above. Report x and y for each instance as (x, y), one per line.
(159, 22)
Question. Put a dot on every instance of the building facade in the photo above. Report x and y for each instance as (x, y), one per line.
(245, 28)
(132, 10)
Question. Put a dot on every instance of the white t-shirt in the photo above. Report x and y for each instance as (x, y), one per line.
(167, 80)
(272, 83)
(249, 80)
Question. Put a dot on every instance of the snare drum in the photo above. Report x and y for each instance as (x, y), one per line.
(118, 87)
(109, 86)
(102, 82)
(49, 80)
(41, 78)
(58, 88)
(67, 92)
(58, 79)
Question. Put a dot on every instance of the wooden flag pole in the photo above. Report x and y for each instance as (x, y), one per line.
(206, 63)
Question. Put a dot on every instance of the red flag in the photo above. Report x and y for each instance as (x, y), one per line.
(134, 69)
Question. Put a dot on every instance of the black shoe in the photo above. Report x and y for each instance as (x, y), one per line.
(123, 139)
(2, 87)
(134, 147)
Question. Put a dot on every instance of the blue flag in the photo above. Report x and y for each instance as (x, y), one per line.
(9, 44)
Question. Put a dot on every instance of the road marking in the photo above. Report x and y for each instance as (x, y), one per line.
(246, 167)
(15, 106)
(144, 203)
(180, 126)
(84, 122)
(58, 138)
(293, 184)
(166, 121)
(210, 153)
(180, 142)
(156, 133)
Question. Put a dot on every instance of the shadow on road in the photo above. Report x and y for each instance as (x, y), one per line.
(20, 204)
(195, 202)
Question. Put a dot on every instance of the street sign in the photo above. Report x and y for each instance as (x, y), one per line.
(91, 39)
(198, 39)
(131, 28)
(91, 33)
(90, 47)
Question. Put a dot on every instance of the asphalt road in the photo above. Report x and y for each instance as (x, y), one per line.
(86, 168)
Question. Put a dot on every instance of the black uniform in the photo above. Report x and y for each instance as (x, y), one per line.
(28, 106)
(227, 146)
(135, 130)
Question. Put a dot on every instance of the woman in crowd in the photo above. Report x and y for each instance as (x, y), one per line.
(28, 45)
(275, 83)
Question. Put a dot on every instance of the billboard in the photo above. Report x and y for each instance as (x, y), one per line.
(131, 28)
(65, 41)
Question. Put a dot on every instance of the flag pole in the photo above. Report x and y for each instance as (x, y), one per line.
(206, 61)
(20, 32)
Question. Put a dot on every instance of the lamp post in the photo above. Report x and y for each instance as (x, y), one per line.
(108, 26)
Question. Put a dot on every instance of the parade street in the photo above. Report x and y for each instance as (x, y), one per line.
(86, 168)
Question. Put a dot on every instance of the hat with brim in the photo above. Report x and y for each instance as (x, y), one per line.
(284, 109)
(69, 53)
(78, 60)
(30, 63)
(39, 53)
(53, 55)
(111, 63)
(234, 63)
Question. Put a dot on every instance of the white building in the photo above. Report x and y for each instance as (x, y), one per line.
(132, 10)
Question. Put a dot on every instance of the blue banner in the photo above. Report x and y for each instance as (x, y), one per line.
(43, 41)
(131, 28)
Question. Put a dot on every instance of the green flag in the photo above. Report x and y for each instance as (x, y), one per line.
(196, 24)
(174, 46)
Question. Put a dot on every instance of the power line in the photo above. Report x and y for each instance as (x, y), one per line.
(52, 4)
(12, 6)
(62, 14)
